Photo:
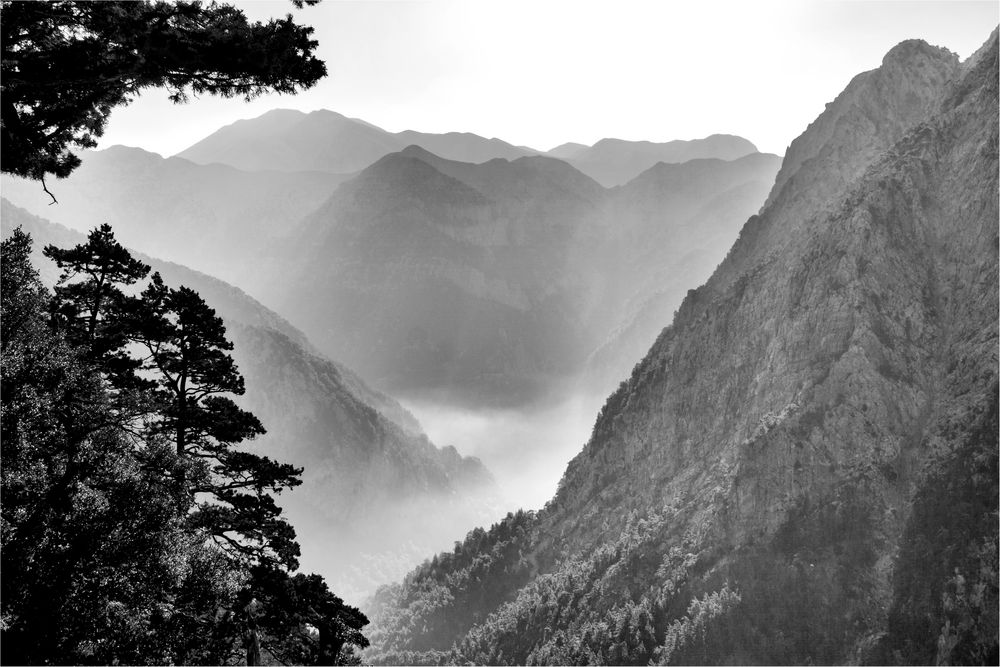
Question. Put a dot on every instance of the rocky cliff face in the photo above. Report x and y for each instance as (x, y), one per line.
(778, 452)
(375, 489)
(671, 227)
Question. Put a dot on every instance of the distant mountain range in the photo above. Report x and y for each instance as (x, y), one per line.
(495, 281)
(803, 467)
(491, 281)
(288, 140)
(377, 494)
(613, 162)
(210, 217)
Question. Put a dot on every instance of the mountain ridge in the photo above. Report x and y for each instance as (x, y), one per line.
(765, 453)
(448, 275)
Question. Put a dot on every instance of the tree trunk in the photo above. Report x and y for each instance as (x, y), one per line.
(330, 644)
(252, 641)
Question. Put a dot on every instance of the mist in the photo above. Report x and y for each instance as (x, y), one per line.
(526, 449)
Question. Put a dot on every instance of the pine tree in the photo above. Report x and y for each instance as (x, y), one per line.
(89, 538)
(188, 352)
(91, 306)
(67, 64)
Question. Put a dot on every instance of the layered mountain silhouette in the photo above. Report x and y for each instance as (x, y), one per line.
(613, 162)
(211, 217)
(803, 468)
(289, 140)
(376, 493)
(493, 282)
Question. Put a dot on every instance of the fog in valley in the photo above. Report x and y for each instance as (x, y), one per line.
(526, 449)
(305, 388)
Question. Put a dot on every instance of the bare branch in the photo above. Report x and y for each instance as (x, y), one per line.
(54, 200)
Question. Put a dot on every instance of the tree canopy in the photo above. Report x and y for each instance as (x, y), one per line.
(66, 65)
(133, 529)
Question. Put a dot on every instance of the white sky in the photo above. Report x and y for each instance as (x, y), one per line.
(543, 72)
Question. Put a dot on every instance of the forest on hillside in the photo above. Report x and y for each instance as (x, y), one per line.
(747, 403)
(134, 529)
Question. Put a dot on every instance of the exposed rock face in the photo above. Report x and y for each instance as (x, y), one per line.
(841, 362)
(374, 487)
(671, 227)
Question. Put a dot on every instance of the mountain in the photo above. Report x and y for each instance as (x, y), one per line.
(494, 296)
(567, 151)
(211, 217)
(376, 492)
(425, 280)
(672, 226)
(803, 468)
(288, 140)
(491, 283)
(463, 146)
(613, 162)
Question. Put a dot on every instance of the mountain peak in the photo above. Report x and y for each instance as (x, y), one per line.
(909, 50)
(419, 152)
(867, 117)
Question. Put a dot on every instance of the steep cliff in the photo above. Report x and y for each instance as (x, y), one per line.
(777, 456)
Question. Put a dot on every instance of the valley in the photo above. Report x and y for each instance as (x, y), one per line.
(632, 402)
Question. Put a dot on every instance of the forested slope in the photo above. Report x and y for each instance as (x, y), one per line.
(366, 459)
(783, 451)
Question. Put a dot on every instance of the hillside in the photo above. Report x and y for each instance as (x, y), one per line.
(492, 283)
(208, 217)
(805, 462)
(367, 462)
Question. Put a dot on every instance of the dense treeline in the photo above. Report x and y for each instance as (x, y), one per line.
(448, 594)
(133, 528)
(595, 609)
(654, 597)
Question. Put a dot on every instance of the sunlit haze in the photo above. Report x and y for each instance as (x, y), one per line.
(543, 73)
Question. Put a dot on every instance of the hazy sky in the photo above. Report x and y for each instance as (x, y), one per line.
(544, 72)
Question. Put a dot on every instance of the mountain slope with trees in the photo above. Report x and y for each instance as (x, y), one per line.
(806, 457)
(134, 527)
(366, 460)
